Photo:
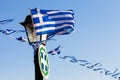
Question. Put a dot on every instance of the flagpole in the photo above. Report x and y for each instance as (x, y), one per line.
(38, 75)
(32, 41)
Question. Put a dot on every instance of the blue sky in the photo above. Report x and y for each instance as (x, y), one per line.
(96, 39)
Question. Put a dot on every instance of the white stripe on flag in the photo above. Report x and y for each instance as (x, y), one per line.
(61, 16)
(44, 23)
(65, 25)
(45, 29)
(37, 15)
(63, 21)
(53, 12)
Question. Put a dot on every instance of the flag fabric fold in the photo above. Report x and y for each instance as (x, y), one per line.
(52, 21)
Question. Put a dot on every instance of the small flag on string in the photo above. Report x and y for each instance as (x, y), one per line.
(55, 51)
(6, 21)
(7, 31)
(10, 31)
(21, 39)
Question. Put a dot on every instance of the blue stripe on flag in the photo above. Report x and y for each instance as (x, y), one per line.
(69, 23)
(46, 18)
(64, 18)
(45, 11)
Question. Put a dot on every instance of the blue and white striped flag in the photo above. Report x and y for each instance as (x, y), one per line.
(7, 31)
(22, 39)
(55, 51)
(52, 21)
(6, 21)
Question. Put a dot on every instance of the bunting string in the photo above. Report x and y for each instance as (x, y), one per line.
(84, 63)
(95, 67)
(9, 33)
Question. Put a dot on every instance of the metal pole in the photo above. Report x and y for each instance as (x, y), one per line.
(38, 75)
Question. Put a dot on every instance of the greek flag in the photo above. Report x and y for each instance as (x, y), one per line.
(22, 39)
(7, 31)
(55, 51)
(52, 21)
(6, 21)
